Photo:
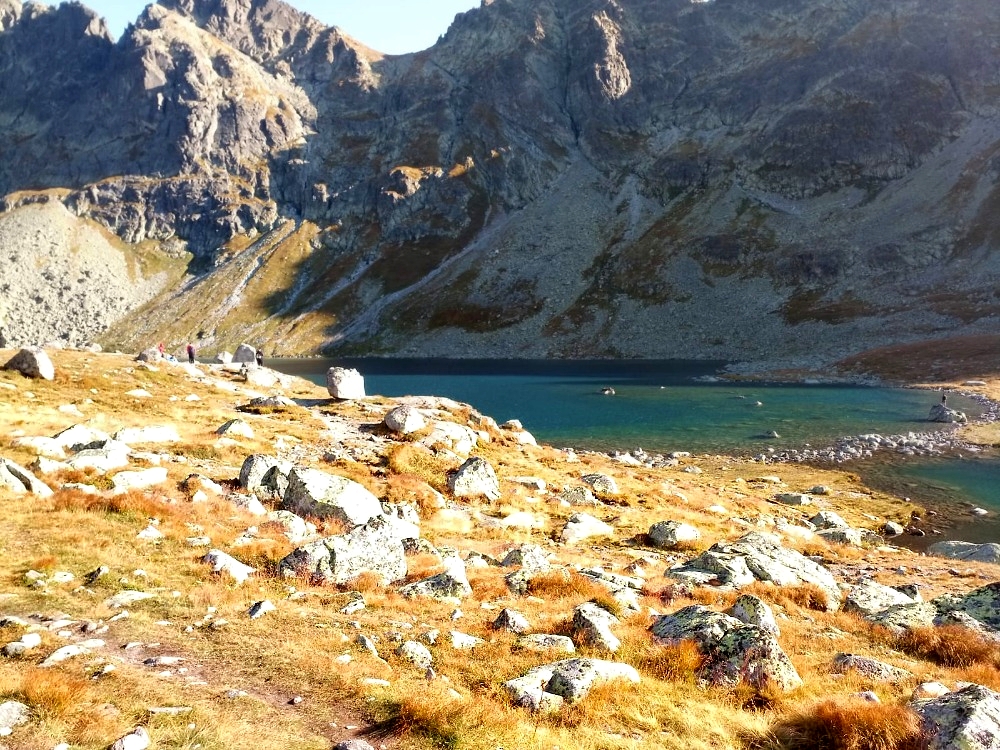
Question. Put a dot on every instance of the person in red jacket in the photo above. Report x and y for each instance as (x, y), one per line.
(190, 351)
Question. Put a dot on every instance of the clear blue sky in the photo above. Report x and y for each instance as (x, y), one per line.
(391, 26)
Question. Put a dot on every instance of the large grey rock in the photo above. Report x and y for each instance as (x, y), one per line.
(570, 679)
(531, 557)
(869, 597)
(735, 651)
(312, 492)
(113, 456)
(546, 642)
(405, 420)
(592, 625)
(15, 478)
(869, 668)
(902, 617)
(452, 583)
(941, 413)
(256, 467)
(14, 714)
(475, 478)
(222, 562)
(79, 435)
(827, 519)
(245, 354)
(670, 534)
(345, 384)
(988, 552)
(602, 484)
(511, 621)
(754, 611)
(579, 496)
(580, 526)
(371, 548)
(33, 363)
(757, 556)
(983, 604)
(967, 719)
(415, 653)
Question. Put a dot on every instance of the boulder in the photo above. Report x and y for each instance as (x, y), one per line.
(14, 714)
(126, 481)
(256, 467)
(967, 719)
(113, 456)
(869, 597)
(848, 536)
(530, 557)
(757, 556)
(415, 653)
(988, 553)
(671, 534)
(902, 617)
(869, 668)
(236, 428)
(602, 484)
(137, 739)
(245, 354)
(546, 642)
(41, 446)
(405, 420)
(449, 436)
(983, 604)
(511, 621)
(312, 492)
(452, 583)
(32, 362)
(827, 519)
(19, 480)
(734, 651)
(297, 530)
(941, 413)
(223, 563)
(475, 478)
(754, 611)
(79, 435)
(345, 384)
(592, 625)
(793, 498)
(582, 526)
(580, 496)
(570, 679)
(370, 548)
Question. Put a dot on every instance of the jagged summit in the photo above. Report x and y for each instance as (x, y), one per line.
(552, 178)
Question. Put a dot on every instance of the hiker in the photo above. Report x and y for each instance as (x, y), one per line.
(161, 349)
(944, 400)
(190, 351)
(260, 358)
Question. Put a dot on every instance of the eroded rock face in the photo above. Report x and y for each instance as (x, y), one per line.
(32, 363)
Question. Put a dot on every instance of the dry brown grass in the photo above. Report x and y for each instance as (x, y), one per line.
(947, 645)
(845, 725)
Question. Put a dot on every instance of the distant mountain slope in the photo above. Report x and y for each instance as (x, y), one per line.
(740, 179)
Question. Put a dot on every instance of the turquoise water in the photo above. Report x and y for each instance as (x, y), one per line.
(658, 406)
(663, 407)
(953, 487)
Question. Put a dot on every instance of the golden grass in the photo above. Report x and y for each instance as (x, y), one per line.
(308, 648)
(845, 725)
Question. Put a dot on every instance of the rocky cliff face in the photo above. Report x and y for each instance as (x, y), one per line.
(737, 179)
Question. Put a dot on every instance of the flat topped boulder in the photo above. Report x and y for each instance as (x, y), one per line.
(32, 362)
(988, 552)
(372, 548)
(571, 680)
(941, 413)
(316, 493)
(757, 557)
(405, 419)
(245, 354)
(345, 384)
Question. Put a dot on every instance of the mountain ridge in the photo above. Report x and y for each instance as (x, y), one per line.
(755, 181)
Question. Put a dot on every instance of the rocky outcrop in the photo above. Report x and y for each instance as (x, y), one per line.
(475, 478)
(32, 363)
(370, 548)
(317, 493)
(988, 552)
(757, 557)
(545, 688)
(735, 651)
(967, 718)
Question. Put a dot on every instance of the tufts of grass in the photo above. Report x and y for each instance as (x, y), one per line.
(949, 646)
(675, 662)
(565, 584)
(848, 725)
